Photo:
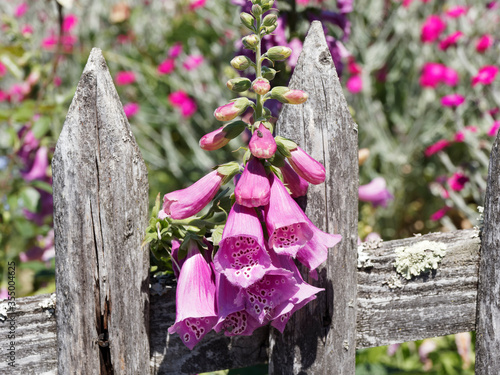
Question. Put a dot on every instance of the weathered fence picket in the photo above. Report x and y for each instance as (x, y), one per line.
(322, 335)
(100, 212)
(100, 195)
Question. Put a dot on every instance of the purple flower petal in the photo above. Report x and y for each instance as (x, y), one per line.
(253, 188)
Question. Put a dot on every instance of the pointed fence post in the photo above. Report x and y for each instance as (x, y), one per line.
(100, 213)
(488, 294)
(321, 337)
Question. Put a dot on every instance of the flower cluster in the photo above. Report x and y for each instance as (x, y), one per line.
(244, 275)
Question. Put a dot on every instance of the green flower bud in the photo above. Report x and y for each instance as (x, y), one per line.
(239, 84)
(287, 96)
(270, 20)
(279, 53)
(285, 145)
(270, 29)
(268, 73)
(251, 41)
(266, 4)
(256, 10)
(247, 20)
(261, 86)
(241, 62)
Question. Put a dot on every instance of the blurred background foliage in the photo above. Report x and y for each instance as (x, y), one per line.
(420, 77)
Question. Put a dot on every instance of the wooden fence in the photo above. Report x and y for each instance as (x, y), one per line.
(107, 323)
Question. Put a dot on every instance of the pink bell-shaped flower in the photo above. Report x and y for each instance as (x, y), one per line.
(181, 204)
(253, 187)
(296, 184)
(233, 318)
(306, 167)
(39, 168)
(286, 223)
(242, 255)
(304, 294)
(262, 144)
(195, 299)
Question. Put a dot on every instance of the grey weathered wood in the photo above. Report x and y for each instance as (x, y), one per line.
(446, 301)
(440, 303)
(321, 338)
(488, 297)
(169, 356)
(100, 214)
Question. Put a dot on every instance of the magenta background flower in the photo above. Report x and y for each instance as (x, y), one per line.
(492, 132)
(242, 255)
(43, 252)
(125, 78)
(167, 66)
(188, 108)
(183, 102)
(27, 30)
(195, 299)
(354, 84)
(253, 187)
(353, 67)
(177, 98)
(192, 62)
(262, 144)
(460, 135)
(432, 74)
(436, 147)
(131, 109)
(175, 50)
(69, 22)
(181, 204)
(450, 40)
(456, 11)
(375, 192)
(3, 69)
(296, 184)
(452, 100)
(426, 347)
(432, 29)
(21, 10)
(439, 214)
(287, 225)
(450, 76)
(4, 294)
(195, 4)
(484, 43)
(457, 181)
(486, 75)
(296, 46)
(38, 170)
(306, 167)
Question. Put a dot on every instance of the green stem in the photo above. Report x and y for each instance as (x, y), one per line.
(258, 69)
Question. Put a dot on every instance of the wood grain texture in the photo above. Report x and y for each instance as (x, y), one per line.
(35, 341)
(100, 213)
(321, 338)
(488, 299)
(438, 303)
(169, 356)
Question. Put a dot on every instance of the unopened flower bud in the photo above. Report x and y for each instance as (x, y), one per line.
(279, 53)
(256, 10)
(306, 167)
(241, 62)
(287, 96)
(251, 41)
(269, 29)
(229, 111)
(266, 4)
(239, 84)
(262, 144)
(221, 137)
(268, 73)
(363, 155)
(261, 86)
(270, 19)
(247, 19)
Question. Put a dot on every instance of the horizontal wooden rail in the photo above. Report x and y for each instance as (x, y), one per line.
(439, 303)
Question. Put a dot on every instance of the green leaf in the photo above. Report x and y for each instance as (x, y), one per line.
(41, 127)
(217, 234)
(30, 198)
(42, 185)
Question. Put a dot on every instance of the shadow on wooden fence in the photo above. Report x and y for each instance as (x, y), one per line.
(103, 302)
